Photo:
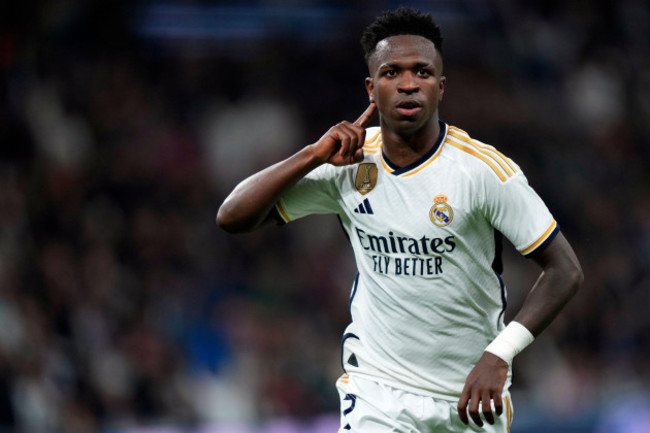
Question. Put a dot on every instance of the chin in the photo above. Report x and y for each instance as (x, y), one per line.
(406, 125)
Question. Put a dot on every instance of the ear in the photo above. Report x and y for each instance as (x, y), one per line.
(441, 86)
(370, 88)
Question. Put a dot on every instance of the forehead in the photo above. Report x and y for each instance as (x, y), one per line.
(400, 48)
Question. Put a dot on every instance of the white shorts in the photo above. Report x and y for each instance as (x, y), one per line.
(371, 407)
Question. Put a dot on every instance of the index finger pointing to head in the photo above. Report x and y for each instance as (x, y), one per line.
(365, 117)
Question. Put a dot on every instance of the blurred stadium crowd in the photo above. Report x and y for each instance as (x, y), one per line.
(124, 124)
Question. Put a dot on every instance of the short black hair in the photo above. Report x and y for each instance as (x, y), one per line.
(402, 21)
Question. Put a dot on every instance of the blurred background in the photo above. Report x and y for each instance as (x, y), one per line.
(123, 125)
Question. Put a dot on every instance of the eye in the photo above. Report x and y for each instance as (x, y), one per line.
(424, 73)
(390, 73)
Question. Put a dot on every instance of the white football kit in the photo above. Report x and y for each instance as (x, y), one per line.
(428, 297)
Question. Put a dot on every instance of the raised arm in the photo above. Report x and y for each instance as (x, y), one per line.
(249, 205)
(559, 281)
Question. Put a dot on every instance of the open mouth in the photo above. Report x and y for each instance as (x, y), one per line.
(409, 108)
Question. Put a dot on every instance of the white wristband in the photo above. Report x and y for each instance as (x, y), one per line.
(512, 340)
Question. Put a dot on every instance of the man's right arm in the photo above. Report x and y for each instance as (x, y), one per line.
(249, 205)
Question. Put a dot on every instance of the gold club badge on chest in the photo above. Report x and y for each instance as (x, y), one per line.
(366, 178)
(441, 213)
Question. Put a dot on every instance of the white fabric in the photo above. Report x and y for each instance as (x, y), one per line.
(426, 301)
(368, 406)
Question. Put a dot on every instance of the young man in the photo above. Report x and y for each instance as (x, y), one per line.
(423, 205)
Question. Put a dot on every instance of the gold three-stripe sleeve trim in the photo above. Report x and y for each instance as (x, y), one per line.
(283, 213)
(374, 137)
(373, 144)
(373, 148)
(497, 161)
(541, 239)
(490, 149)
(493, 158)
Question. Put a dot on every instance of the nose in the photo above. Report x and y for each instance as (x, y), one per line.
(408, 84)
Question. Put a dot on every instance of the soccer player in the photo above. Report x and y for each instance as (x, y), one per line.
(424, 206)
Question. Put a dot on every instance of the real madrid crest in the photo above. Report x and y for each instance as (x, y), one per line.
(366, 178)
(441, 213)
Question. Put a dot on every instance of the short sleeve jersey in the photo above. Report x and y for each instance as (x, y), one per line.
(428, 297)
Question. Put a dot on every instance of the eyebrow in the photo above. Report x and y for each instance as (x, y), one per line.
(397, 66)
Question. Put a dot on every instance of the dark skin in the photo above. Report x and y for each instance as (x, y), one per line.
(249, 206)
(560, 279)
(406, 86)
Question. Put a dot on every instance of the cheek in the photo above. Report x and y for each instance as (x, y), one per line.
(383, 103)
(435, 94)
(382, 94)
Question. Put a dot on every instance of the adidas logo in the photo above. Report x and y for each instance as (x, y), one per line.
(364, 207)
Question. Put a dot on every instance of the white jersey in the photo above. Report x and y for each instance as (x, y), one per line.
(428, 297)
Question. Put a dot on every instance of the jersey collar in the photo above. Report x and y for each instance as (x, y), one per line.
(424, 160)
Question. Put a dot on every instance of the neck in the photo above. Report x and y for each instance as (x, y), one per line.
(404, 148)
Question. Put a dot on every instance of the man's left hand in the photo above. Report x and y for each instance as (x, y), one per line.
(484, 383)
